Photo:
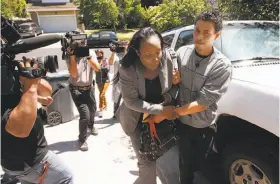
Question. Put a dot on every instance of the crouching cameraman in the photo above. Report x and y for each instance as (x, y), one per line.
(25, 154)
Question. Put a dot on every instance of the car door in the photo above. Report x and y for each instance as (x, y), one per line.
(93, 40)
(113, 36)
(184, 38)
(104, 38)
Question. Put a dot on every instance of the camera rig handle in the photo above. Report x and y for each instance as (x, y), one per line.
(30, 72)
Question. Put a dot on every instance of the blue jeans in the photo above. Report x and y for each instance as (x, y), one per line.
(58, 172)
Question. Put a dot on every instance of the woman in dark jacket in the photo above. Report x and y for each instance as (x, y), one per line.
(102, 80)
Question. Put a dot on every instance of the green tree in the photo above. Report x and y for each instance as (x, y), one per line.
(13, 8)
(250, 9)
(174, 13)
(87, 10)
(107, 14)
(130, 13)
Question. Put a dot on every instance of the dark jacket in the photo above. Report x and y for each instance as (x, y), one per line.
(102, 75)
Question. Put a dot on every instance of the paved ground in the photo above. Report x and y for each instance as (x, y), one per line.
(110, 158)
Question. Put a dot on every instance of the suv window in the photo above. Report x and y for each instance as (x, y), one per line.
(33, 25)
(185, 38)
(168, 39)
(105, 35)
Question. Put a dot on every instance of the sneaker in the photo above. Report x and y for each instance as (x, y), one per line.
(94, 131)
(83, 146)
(100, 114)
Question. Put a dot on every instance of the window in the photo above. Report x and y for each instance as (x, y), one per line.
(24, 26)
(168, 39)
(94, 35)
(33, 25)
(245, 41)
(185, 38)
(105, 35)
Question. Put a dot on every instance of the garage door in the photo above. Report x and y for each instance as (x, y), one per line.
(58, 23)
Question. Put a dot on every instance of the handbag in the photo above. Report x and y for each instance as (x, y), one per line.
(157, 138)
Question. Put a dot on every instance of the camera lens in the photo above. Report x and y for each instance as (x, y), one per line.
(48, 63)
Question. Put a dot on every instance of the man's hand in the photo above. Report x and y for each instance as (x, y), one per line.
(70, 51)
(159, 118)
(168, 112)
(26, 82)
(45, 101)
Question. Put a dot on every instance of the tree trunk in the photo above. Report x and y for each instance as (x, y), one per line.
(114, 27)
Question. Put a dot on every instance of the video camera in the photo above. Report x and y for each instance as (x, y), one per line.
(74, 40)
(13, 44)
(116, 47)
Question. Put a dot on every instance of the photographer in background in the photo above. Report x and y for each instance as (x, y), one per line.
(24, 150)
(81, 76)
(102, 80)
(115, 60)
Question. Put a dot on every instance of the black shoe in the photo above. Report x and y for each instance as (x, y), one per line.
(114, 117)
(83, 145)
(100, 114)
(93, 131)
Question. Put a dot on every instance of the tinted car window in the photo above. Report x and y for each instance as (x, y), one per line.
(94, 35)
(104, 35)
(168, 39)
(24, 26)
(244, 41)
(184, 38)
(33, 25)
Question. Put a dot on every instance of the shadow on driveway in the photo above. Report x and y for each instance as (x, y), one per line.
(109, 122)
(65, 146)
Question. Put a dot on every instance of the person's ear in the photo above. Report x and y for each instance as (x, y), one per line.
(218, 34)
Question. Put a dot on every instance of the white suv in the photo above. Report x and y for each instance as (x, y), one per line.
(248, 114)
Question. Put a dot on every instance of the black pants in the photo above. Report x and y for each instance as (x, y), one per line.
(86, 105)
(116, 105)
(194, 145)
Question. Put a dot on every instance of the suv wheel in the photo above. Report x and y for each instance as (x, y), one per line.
(246, 163)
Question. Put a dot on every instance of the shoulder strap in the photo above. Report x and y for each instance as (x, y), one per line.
(173, 55)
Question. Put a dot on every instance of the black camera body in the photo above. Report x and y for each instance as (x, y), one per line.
(74, 40)
(13, 44)
(116, 47)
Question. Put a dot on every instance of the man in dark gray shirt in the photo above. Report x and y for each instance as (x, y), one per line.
(81, 75)
(205, 76)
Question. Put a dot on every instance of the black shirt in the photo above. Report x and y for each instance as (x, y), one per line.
(16, 152)
(102, 76)
(153, 94)
(153, 91)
